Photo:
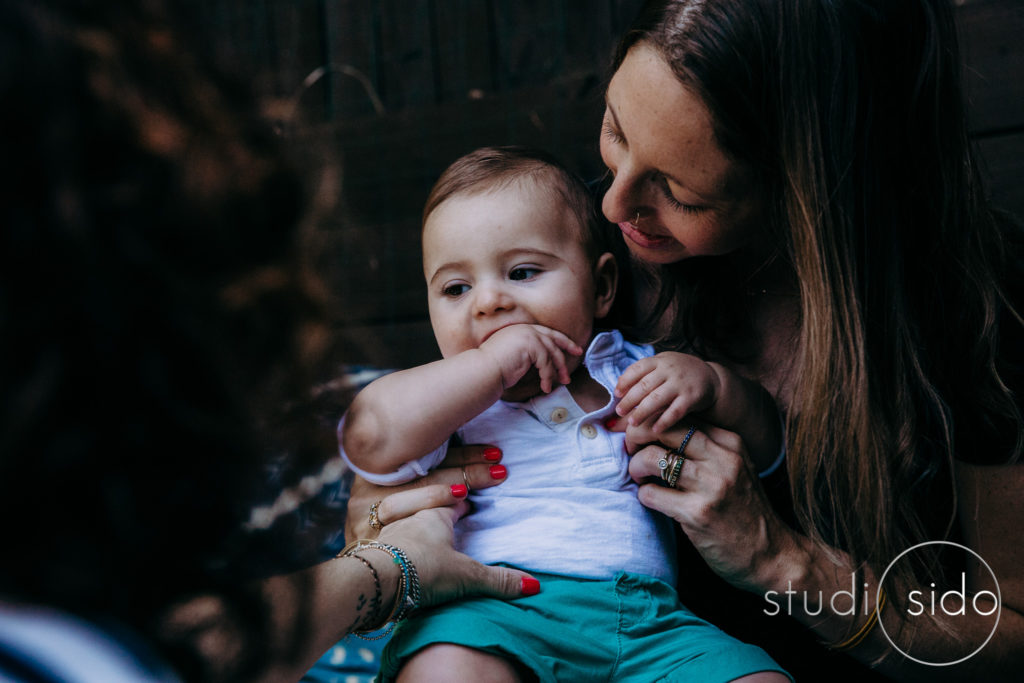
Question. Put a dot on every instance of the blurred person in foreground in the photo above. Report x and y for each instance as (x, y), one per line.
(159, 336)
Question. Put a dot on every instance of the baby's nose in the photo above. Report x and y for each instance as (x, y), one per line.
(492, 299)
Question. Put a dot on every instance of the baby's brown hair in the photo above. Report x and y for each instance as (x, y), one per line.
(490, 168)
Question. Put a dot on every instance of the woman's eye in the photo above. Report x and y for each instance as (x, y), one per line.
(523, 273)
(455, 290)
(673, 202)
(609, 132)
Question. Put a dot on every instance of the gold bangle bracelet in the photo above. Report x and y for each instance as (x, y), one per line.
(373, 613)
(862, 633)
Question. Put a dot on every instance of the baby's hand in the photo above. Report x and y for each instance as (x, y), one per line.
(517, 348)
(668, 386)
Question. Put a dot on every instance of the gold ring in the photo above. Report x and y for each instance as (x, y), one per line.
(375, 522)
(665, 464)
(465, 478)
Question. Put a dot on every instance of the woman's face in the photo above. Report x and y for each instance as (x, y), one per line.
(675, 193)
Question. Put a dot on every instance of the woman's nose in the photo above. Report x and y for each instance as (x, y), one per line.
(622, 199)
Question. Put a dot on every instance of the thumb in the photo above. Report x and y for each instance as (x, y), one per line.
(505, 582)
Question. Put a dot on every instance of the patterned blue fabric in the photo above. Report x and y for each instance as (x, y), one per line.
(315, 530)
(352, 660)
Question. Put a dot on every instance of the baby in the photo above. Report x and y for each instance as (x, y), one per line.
(516, 279)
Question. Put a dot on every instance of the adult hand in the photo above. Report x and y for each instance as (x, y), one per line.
(334, 592)
(718, 501)
(446, 574)
(446, 486)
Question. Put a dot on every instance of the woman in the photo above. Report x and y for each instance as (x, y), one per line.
(155, 316)
(799, 175)
(795, 180)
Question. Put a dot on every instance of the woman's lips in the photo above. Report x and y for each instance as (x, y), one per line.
(645, 239)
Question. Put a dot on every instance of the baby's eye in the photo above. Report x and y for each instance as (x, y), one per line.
(454, 290)
(523, 273)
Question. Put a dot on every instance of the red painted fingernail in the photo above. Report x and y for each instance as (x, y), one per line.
(611, 422)
(459, 490)
(492, 454)
(530, 586)
(498, 472)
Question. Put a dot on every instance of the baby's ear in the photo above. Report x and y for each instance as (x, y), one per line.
(606, 281)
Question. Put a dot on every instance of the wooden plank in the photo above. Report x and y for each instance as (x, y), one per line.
(298, 35)
(406, 53)
(351, 52)
(993, 52)
(374, 270)
(397, 346)
(529, 39)
(251, 42)
(421, 143)
(1003, 164)
(623, 13)
(463, 50)
(588, 37)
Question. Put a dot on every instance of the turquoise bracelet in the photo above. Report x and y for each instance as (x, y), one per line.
(409, 595)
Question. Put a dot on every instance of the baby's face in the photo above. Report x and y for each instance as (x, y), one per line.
(502, 257)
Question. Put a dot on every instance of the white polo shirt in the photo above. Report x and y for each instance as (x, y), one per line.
(568, 505)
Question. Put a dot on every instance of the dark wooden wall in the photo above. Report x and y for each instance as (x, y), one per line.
(993, 42)
(397, 89)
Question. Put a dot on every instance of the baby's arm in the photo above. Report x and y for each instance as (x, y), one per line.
(405, 414)
(669, 386)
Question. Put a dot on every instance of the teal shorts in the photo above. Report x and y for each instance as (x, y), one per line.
(628, 629)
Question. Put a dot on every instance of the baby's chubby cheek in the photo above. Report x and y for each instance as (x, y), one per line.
(451, 340)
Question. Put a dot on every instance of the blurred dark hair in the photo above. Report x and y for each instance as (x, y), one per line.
(154, 318)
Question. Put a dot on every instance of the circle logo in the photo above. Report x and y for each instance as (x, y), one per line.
(924, 601)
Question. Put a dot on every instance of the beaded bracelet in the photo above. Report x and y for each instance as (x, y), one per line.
(862, 633)
(408, 595)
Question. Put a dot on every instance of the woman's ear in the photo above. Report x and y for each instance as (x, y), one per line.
(606, 281)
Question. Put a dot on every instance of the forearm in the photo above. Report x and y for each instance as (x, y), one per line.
(820, 589)
(406, 414)
(322, 605)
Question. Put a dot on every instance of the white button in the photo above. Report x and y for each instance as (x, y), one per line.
(559, 415)
(588, 430)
